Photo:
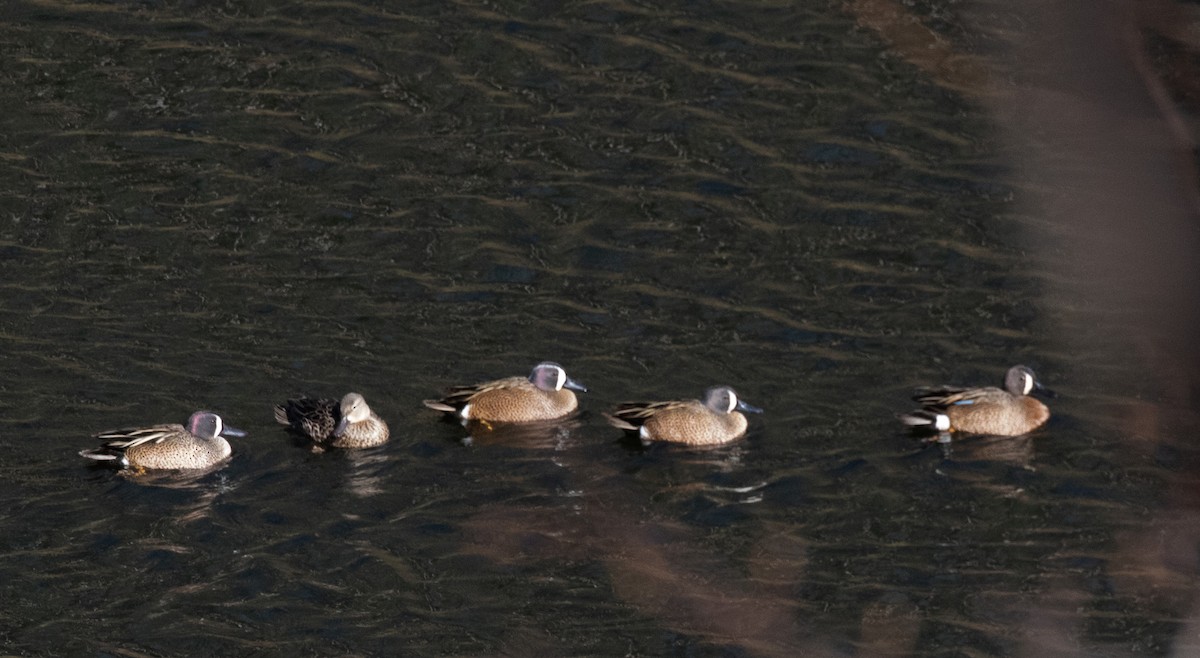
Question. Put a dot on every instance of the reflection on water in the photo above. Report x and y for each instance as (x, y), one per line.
(210, 206)
(557, 436)
(1016, 450)
(365, 475)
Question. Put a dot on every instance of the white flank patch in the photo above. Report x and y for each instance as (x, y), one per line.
(942, 422)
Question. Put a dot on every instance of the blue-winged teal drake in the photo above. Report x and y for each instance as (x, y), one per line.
(172, 446)
(709, 421)
(546, 394)
(346, 424)
(987, 410)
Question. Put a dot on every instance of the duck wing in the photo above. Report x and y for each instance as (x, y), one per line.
(124, 439)
(457, 397)
(311, 416)
(941, 397)
(632, 415)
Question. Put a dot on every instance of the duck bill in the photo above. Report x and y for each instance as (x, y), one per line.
(1043, 391)
(747, 408)
(232, 432)
(574, 385)
(341, 427)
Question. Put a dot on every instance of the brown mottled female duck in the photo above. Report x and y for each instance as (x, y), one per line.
(346, 424)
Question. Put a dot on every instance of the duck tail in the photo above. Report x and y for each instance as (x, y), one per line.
(98, 455)
(620, 423)
(439, 405)
(924, 418)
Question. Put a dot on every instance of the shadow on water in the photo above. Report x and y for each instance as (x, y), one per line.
(211, 205)
(1101, 125)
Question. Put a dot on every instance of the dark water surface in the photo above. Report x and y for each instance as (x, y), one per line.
(221, 204)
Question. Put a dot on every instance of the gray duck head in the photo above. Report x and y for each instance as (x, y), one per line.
(353, 409)
(549, 376)
(1020, 380)
(207, 425)
(723, 400)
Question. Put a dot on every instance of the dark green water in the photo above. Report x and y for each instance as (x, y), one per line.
(219, 205)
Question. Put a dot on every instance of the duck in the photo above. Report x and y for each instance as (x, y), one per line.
(1008, 411)
(546, 394)
(197, 445)
(349, 423)
(715, 418)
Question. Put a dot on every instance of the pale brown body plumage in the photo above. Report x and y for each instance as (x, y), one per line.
(318, 419)
(991, 410)
(1008, 411)
(545, 395)
(167, 446)
(713, 421)
(679, 422)
(509, 400)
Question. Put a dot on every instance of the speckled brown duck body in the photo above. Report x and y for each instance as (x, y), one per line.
(712, 420)
(986, 410)
(349, 423)
(198, 445)
(546, 394)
